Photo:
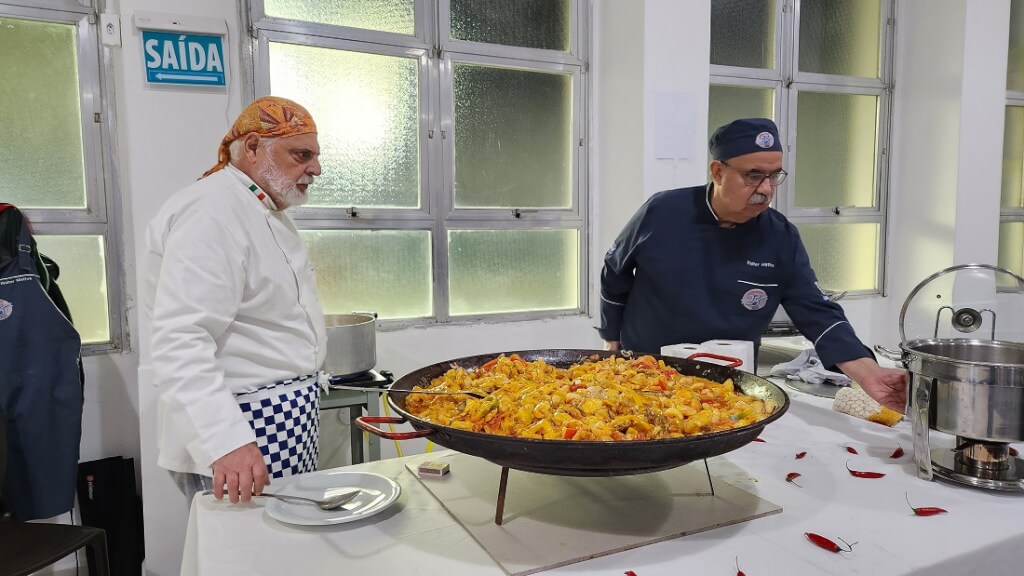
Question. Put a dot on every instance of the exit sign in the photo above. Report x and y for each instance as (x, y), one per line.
(179, 58)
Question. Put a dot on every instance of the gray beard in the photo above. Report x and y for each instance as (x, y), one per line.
(287, 192)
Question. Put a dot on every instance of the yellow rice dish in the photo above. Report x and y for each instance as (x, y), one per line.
(611, 399)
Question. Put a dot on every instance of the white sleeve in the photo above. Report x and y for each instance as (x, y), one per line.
(199, 290)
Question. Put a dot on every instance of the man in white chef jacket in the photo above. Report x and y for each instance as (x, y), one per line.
(238, 333)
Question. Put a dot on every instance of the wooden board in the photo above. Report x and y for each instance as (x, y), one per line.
(553, 521)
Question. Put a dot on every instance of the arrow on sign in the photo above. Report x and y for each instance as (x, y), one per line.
(162, 76)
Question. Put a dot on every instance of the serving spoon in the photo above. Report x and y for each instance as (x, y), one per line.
(391, 391)
(327, 504)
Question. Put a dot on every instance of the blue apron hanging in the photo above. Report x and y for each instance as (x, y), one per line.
(286, 419)
(40, 391)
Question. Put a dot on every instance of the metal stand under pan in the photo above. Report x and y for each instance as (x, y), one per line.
(991, 466)
(499, 511)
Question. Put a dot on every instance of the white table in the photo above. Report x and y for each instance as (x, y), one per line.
(982, 534)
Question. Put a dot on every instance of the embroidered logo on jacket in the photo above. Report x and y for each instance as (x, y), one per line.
(6, 309)
(754, 299)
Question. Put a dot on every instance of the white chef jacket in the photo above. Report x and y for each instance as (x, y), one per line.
(233, 304)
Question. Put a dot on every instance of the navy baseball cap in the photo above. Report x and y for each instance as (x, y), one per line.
(744, 136)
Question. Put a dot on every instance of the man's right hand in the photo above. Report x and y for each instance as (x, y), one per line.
(612, 345)
(242, 471)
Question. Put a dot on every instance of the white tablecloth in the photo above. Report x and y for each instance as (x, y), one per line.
(983, 533)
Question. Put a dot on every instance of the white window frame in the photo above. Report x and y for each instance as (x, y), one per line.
(436, 52)
(788, 82)
(98, 218)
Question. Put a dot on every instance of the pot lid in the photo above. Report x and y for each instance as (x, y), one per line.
(975, 301)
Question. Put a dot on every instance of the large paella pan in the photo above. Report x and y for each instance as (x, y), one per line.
(580, 457)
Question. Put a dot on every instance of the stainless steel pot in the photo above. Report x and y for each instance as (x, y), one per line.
(351, 343)
(968, 387)
(974, 388)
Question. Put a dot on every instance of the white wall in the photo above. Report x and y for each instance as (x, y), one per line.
(946, 106)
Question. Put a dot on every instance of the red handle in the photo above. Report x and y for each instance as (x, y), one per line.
(732, 362)
(364, 423)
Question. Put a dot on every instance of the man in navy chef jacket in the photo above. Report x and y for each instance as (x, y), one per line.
(715, 261)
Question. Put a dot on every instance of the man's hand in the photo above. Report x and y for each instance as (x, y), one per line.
(612, 345)
(243, 471)
(888, 386)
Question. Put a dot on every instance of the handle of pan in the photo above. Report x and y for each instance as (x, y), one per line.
(732, 362)
(367, 423)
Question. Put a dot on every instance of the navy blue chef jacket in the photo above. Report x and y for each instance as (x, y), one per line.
(674, 275)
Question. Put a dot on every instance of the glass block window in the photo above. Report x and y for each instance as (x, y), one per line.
(53, 152)
(821, 70)
(841, 37)
(452, 153)
(845, 256)
(40, 96)
(367, 117)
(382, 271)
(837, 140)
(1011, 226)
(743, 33)
(545, 24)
(397, 16)
(513, 138)
(1011, 246)
(82, 261)
(513, 270)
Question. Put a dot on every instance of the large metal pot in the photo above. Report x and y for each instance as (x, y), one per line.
(968, 387)
(975, 388)
(573, 457)
(351, 343)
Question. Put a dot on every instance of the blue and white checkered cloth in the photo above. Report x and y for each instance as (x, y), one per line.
(286, 419)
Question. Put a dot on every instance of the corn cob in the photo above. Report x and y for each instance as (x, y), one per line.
(857, 403)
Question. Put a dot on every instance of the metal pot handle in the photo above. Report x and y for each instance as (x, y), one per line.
(894, 355)
(906, 303)
(364, 422)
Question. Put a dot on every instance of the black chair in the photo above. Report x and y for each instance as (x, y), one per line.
(27, 547)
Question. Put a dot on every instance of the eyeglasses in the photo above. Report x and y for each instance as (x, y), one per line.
(754, 179)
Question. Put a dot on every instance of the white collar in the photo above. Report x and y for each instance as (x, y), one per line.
(260, 195)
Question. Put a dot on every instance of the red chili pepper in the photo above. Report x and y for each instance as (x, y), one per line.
(800, 455)
(851, 450)
(860, 474)
(759, 440)
(898, 452)
(738, 571)
(926, 510)
(793, 476)
(629, 573)
(489, 365)
(827, 544)
(569, 433)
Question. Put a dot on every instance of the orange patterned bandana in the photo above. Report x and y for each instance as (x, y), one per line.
(270, 117)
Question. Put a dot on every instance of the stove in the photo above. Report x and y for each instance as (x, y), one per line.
(369, 379)
(980, 464)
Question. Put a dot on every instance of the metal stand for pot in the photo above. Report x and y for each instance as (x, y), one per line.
(499, 510)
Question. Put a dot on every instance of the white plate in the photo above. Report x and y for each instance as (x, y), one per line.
(378, 493)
